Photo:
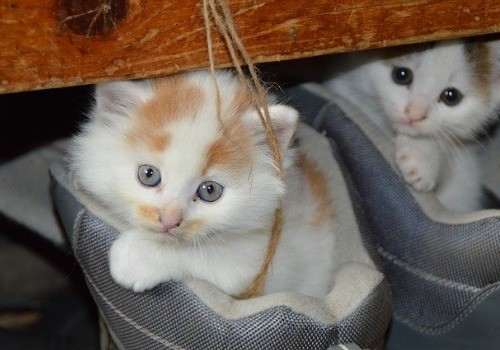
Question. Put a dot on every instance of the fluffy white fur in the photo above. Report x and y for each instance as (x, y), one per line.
(436, 153)
(229, 248)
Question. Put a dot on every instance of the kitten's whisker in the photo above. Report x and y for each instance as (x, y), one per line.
(469, 136)
(447, 144)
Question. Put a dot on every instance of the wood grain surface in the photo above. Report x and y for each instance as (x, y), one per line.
(56, 43)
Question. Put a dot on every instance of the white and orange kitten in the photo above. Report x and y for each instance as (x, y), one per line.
(433, 102)
(198, 194)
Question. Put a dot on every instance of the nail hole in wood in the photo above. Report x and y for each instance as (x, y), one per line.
(92, 17)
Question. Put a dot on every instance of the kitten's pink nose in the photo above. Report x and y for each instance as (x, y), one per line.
(170, 223)
(171, 217)
(416, 111)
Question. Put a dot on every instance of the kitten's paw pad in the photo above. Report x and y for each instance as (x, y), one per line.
(415, 169)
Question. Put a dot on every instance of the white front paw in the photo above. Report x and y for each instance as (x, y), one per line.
(416, 164)
(131, 266)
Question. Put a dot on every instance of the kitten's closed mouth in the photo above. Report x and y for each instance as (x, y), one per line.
(403, 123)
(174, 234)
(405, 127)
(168, 233)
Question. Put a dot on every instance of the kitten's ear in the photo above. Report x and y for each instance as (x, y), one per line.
(284, 120)
(119, 98)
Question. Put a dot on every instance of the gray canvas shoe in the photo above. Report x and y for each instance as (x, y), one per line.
(443, 268)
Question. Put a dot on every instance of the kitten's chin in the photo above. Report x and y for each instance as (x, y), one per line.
(160, 235)
(406, 130)
(410, 130)
(418, 128)
(175, 236)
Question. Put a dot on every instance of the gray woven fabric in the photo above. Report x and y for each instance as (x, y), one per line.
(170, 316)
(434, 269)
(345, 347)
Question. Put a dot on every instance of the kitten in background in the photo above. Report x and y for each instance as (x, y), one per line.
(198, 193)
(434, 101)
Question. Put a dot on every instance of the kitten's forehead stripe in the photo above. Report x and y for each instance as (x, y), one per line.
(318, 187)
(174, 98)
(159, 141)
(156, 140)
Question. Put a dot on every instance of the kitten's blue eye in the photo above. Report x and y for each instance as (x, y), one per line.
(148, 175)
(451, 96)
(209, 191)
(402, 75)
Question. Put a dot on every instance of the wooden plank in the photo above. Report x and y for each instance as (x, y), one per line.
(55, 43)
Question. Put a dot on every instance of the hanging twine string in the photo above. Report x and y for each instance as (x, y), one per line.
(217, 13)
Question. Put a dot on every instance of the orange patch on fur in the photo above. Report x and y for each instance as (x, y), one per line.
(156, 141)
(174, 98)
(318, 187)
(192, 227)
(148, 213)
(159, 142)
(232, 149)
(229, 152)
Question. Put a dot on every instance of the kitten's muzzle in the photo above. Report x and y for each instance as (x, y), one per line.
(416, 111)
(170, 223)
(170, 218)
